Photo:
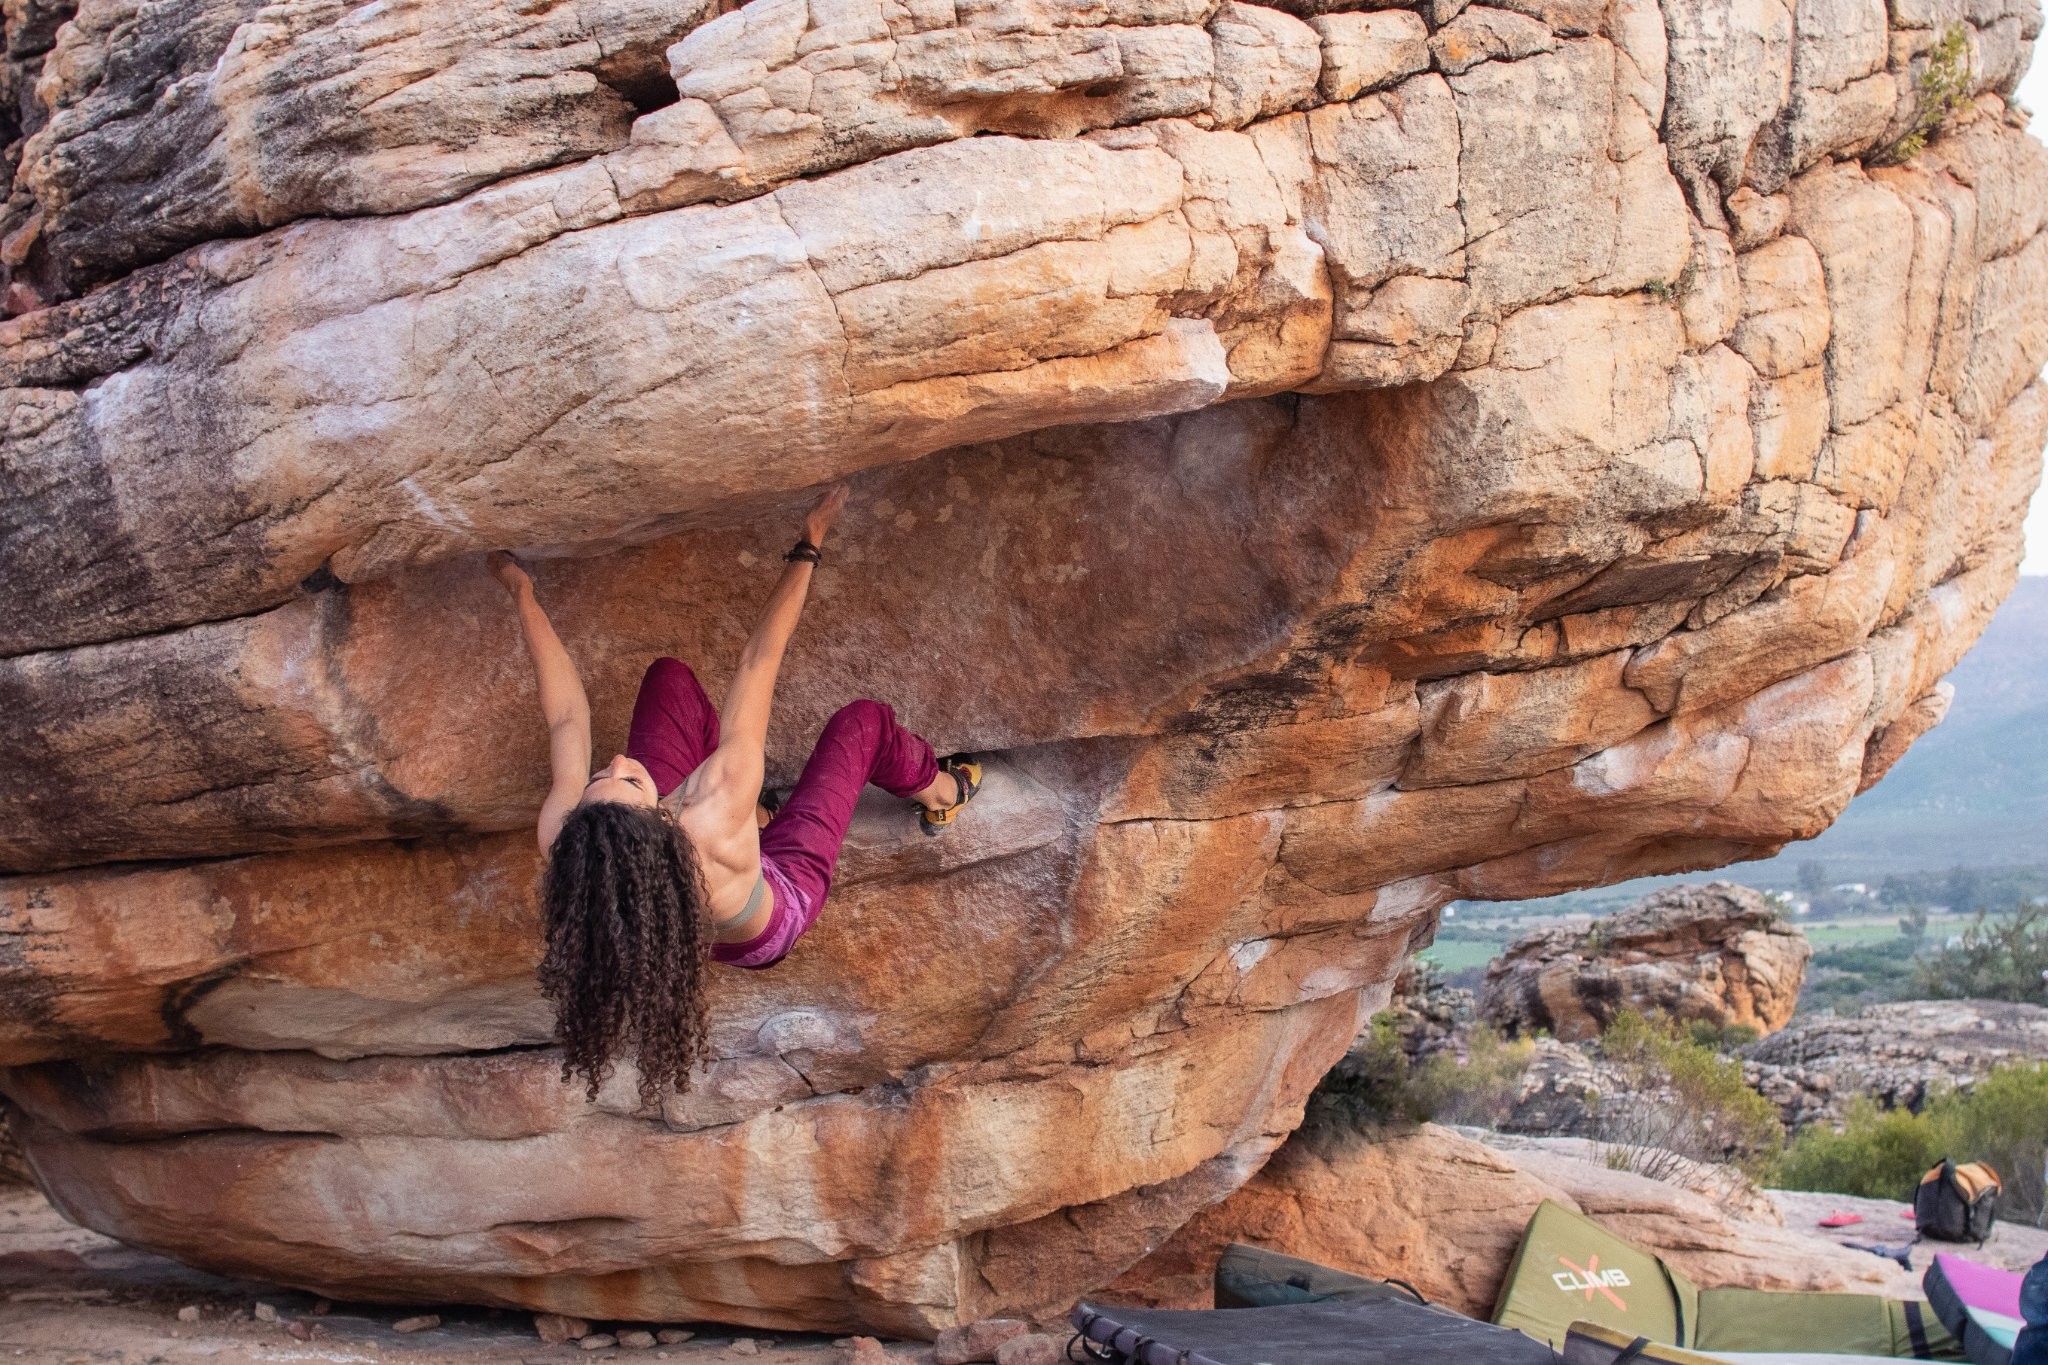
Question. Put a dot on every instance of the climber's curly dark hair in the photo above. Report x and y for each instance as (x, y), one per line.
(623, 906)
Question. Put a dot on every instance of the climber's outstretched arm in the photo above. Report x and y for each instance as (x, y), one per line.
(562, 702)
(736, 767)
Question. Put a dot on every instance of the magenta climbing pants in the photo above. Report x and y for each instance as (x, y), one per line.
(675, 728)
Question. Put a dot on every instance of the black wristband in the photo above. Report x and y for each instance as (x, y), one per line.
(805, 551)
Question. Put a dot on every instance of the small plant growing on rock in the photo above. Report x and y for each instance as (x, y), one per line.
(13, 1170)
(1720, 1037)
(1371, 1084)
(1942, 89)
(1670, 291)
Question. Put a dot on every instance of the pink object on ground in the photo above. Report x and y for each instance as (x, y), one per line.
(1840, 1219)
(675, 728)
(1905, 1213)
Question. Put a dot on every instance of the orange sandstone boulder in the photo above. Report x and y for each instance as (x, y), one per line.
(1330, 464)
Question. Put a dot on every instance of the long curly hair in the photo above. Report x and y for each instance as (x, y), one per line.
(623, 906)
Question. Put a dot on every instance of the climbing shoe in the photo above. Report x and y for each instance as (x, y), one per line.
(967, 772)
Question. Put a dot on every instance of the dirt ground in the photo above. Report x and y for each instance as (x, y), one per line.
(73, 1297)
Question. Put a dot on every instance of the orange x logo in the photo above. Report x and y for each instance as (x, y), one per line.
(1590, 1274)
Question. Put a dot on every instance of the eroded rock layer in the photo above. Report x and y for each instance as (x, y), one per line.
(1333, 460)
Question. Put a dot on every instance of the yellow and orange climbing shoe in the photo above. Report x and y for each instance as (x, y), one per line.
(966, 771)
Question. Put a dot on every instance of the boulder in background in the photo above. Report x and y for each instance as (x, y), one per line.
(1717, 954)
(1893, 1053)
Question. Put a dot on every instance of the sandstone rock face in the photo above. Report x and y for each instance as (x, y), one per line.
(1717, 954)
(13, 1171)
(1445, 1213)
(1895, 1054)
(1334, 460)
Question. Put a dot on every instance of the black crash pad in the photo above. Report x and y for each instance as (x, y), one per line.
(1388, 1332)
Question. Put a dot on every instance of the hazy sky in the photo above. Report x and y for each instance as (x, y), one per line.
(2034, 94)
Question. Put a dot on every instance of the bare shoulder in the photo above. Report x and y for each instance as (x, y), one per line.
(708, 818)
(728, 783)
(728, 855)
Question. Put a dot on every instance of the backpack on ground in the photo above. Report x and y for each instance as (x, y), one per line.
(1957, 1203)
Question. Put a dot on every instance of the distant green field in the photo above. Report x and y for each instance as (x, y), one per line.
(1840, 933)
(1455, 955)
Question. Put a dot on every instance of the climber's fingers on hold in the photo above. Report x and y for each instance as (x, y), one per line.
(825, 513)
(507, 569)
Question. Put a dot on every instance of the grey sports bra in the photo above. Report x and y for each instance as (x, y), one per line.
(753, 904)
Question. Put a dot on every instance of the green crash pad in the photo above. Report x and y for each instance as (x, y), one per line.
(1571, 1270)
(1841, 1324)
(1591, 1344)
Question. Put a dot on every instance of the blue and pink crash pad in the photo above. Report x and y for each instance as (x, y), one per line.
(1979, 1303)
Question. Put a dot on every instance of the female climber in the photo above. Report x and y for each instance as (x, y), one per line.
(663, 857)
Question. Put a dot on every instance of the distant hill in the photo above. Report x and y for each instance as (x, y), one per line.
(1974, 790)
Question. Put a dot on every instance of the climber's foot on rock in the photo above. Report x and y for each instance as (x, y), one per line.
(934, 811)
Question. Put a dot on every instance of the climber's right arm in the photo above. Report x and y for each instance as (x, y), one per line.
(733, 773)
(562, 703)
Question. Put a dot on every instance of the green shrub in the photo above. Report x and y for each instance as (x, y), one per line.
(1720, 1037)
(1371, 1084)
(13, 1168)
(1482, 1088)
(1995, 959)
(1681, 1101)
(1879, 1154)
(1376, 1083)
(2001, 1121)
(1942, 89)
(1858, 974)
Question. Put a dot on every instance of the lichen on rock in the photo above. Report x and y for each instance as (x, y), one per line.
(1334, 461)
